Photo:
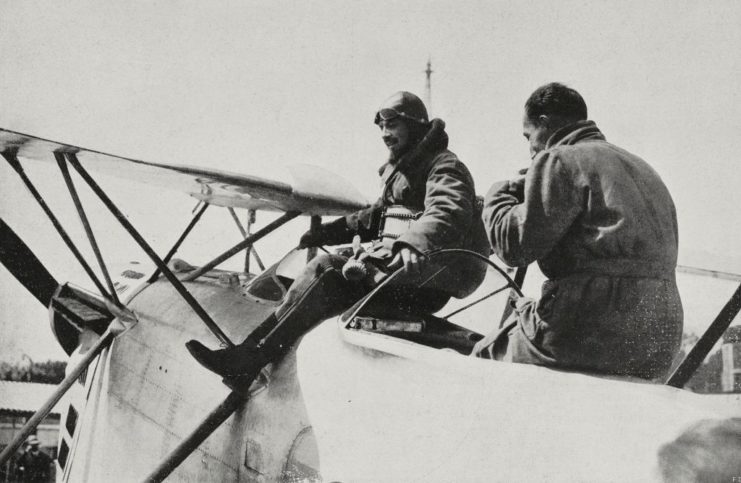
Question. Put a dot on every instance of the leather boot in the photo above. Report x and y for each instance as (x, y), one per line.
(244, 359)
(327, 294)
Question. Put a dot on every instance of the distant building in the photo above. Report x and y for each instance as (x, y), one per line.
(730, 376)
(720, 372)
(18, 402)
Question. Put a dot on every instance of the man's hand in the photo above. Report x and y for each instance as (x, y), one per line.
(333, 233)
(410, 259)
(310, 239)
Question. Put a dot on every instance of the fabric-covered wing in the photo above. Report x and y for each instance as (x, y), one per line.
(313, 191)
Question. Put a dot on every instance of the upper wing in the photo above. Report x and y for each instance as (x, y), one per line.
(314, 191)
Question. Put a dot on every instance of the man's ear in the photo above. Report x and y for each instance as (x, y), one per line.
(544, 121)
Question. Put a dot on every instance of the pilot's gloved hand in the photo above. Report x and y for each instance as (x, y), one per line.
(310, 239)
(332, 233)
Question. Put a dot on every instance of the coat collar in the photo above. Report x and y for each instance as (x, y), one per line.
(435, 140)
(574, 133)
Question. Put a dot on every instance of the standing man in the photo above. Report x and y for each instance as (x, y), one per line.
(423, 182)
(603, 228)
(34, 465)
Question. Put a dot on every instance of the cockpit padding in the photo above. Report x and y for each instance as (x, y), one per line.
(441, 334)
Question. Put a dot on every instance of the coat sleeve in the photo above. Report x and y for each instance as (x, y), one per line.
(342, 230)
(525, 222)
(448, 208)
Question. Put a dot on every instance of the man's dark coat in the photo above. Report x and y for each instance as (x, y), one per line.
(603, 228)
(431, 180)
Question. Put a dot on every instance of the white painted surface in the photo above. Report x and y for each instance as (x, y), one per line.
(431, 415)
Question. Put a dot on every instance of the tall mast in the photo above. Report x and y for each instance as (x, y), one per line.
(428, 85)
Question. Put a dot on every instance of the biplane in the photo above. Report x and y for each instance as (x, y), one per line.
(372, 395)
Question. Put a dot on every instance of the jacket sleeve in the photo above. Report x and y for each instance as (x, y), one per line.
(448, 208)
(343, 229)
(524, 223)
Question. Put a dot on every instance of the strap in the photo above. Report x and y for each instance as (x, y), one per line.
(395, 220)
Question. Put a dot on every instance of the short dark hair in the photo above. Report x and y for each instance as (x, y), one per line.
(556, 100)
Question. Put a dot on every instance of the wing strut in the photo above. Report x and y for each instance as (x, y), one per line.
(86, 225)
(697, 354)
(250, 250)
(177, 284)
(285, 218)
(180, 240)
(12, 158)
(220, 414)
(251, 216)
(24, 266)
(114, 329)
(234, 400)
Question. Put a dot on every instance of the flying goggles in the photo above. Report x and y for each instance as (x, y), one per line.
(387, 113)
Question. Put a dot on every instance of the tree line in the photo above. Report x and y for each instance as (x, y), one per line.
(47, 372)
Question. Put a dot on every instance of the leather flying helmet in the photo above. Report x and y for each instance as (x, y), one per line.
(402, 104)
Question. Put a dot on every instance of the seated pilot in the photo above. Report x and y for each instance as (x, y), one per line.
(423, 181)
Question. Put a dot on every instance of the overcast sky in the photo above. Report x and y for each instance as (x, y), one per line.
(244, 85)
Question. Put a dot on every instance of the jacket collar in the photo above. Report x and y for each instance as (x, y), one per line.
(574, 133)
(435, 140)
